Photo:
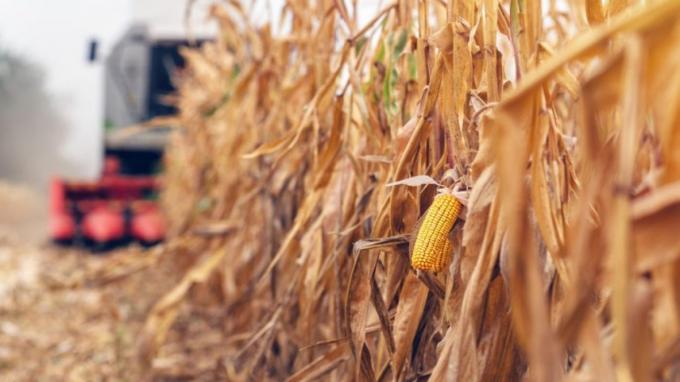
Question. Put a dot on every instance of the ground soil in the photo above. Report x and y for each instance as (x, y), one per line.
(58, 322)
(67, 314)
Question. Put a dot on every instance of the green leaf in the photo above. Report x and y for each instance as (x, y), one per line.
(412, 67)
(401, 43)
(360, 44)
(387, 88)
(235, 71)
(380, 56)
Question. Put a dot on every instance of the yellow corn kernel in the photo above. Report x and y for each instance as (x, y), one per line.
(432, 249)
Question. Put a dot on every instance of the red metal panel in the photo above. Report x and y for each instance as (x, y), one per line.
(148, 226)
(57, 195)
(103, 225)
(62, 226)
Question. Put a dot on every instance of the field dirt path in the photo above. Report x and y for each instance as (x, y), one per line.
(57, 322)
(71, 315)
(67, 315)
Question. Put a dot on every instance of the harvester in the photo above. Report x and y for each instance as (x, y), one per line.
(121, 206)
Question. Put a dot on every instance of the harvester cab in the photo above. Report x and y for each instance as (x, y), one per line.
(121, 206)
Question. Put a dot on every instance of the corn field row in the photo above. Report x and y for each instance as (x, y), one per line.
(306, 157)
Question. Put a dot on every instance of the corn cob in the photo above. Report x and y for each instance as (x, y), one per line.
(432, 249)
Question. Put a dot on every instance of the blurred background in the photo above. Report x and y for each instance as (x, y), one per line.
(53, 90)
(52, 96)
(58, 99)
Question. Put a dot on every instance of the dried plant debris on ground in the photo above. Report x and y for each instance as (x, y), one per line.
(305, 158)
(67, 315)
(22, 213)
